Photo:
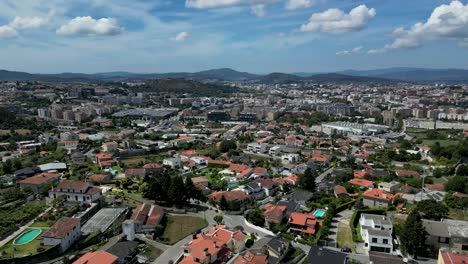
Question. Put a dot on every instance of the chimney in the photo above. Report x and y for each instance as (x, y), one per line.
(205, 252)
(384, 195)
(214, 244)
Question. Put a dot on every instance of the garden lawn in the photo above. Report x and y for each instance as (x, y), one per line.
(458, 214)
(443, 143)
(179, 227)
(10, 250)
(344, 238)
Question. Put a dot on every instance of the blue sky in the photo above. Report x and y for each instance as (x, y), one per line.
(45, 36)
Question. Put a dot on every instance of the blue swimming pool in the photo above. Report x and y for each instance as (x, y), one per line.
(27, 236)
(319, 213)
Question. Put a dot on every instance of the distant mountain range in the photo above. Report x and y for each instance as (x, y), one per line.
(226, 74)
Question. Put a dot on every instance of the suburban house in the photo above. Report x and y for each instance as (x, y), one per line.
(254, 189)
(300, 223)
(257, 147)
(376, 231)
(391, 187)
(377, 197)
(276, 248)
(340, 191)
(97, 257)
(447, 233)
(110, 146)
(64, 232)
(173, 163)
(100, 178)
(77, 158)
(235, 195)
(76, 191)
(39, 182)
(146, 217)
(68, 144)
(274, 214)
(105, 160)
(251, 258)
(406, 173)
(362, 183)
(268, 185)
(153, 168)
(201, 181)
(216, 246)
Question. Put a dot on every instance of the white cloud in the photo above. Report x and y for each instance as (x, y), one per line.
(202, 4)
(447, 22)
(90, 26)
(349, 52)
(7, 32)
(296, 4)
(337, 21)
(31, 21)
(181, 37)
(258, 10)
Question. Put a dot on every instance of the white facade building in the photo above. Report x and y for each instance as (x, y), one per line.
(376, 231)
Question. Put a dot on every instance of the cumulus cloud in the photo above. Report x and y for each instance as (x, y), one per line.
(181, 37)
(447, 22)
(258, 10)
(7, 32)
(202, 4)
(89, 26)
(31, 22)
(296, 4)
(349, 52)
(335, 20)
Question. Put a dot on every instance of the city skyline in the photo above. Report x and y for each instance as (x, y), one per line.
(258, 36)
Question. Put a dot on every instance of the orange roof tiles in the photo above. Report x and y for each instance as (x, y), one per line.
(97, 257)
(378, 194)
(361, 182)
(41, 178)
(62, 227)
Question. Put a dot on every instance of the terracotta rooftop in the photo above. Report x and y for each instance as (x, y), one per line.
(97, 257)
(361, 182)
(73, 185)
(41, 178)
(378, 194)
(63, 226)
(235, 195)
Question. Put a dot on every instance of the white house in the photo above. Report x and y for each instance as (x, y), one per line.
(376, 231)
(76, 191)
(290, 158)
(391, 187)
(257, 147)
(64, 232)
(275, 151)
(174, 163)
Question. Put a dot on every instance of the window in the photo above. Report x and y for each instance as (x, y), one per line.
(464, 247)
(385, 241)
(374, 240)
(377, 226)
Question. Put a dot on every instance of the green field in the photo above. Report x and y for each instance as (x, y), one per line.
(4, 132)
(179, 227)
(10, 250)
(344, 238)
(443, 143)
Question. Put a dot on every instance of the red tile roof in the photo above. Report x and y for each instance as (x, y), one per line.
(406, 173)
(436, 187)
(306, 221)
(338, 189)
(378, 194)
(41, 178)
(152, 166)
(460, 195)
(97, 257)
(452, 258)
(361, 182)
(251, 258)
(62, 227)
(238, 167)
(235, 195)
(97, 177)
(73, 185)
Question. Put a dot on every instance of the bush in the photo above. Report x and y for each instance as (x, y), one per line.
(287, 236)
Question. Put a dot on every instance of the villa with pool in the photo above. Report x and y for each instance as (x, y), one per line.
(64, 232)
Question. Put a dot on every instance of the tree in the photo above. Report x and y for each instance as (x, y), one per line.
(413, 235)
(158, 230)
(218, 219)
(433, 210)
(307, 180)
(174, 192)
(227, 145)
(256, 217)
(457, 184)
(223, 204)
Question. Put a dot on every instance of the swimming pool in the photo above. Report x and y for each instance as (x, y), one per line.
(319, 213)
(27, 236)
